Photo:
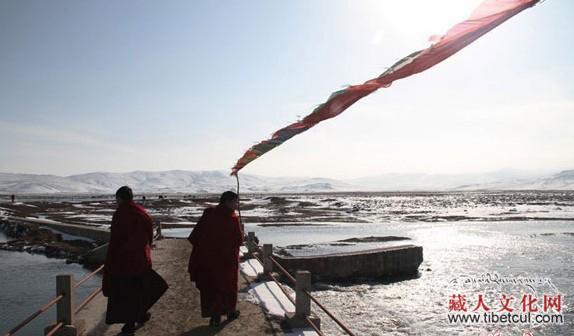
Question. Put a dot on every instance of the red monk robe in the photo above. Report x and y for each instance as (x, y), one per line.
(127, 263)
(214, 260)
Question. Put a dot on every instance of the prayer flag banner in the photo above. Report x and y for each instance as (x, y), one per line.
(485, 17)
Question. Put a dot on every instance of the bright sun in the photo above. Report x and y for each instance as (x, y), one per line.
(415, 20)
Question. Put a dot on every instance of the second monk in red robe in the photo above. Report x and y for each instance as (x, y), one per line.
(214, 261)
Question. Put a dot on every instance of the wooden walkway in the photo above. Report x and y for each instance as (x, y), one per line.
(178, 311)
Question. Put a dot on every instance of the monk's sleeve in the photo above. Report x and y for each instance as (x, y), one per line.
(111, 244)
(238, 233)
(149, 228)
(119, 234)
(111, 255)
(195, 235)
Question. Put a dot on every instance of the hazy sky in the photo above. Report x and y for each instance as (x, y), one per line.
(147, 85)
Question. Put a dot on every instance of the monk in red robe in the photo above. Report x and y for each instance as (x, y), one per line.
(214, 261)
(128, 264)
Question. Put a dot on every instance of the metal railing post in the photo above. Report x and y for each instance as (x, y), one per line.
(65, 309)
(267, 263)
(66, 323)
(251, 246)
(302, 301)
(159, 234)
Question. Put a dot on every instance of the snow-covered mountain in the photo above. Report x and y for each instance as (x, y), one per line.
(500, 179)
(43, 184)
(163, 182)
(218, 181)
(561, 181)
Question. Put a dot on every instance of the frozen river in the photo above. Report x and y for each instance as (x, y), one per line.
(485, 254)
(495, 247)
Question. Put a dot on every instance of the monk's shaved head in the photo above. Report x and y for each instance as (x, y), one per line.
(228, 196)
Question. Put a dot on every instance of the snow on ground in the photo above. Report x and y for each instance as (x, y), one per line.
(81, 206)
(178, 212)
(24, 204)
(179, 223)
(242, 251)
(49, 212)
(252, 225)
(251, 267)
(44, 217)
(176, 233)
(40, 220)
(92, 217)
(270, 297)
(291, 213)
(258, 212)
(5, 212)
(257, 201)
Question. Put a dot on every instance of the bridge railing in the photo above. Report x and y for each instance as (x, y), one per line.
(65, 293)
(64, 302)
(301, 281)
(66, 310)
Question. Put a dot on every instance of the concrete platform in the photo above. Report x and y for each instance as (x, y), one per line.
(392, 261)
(97, 234)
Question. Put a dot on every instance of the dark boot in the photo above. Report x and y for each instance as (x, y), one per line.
(215, 321)
(144, 319)
(233, 316)
(129, 329)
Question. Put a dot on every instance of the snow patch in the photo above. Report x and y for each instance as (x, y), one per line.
(270, 297)
(178, 223)
(251, 267)
(176, 233)
(81, 206)
(24, 204)
(242, 251)
(92, 217)
(258, 212)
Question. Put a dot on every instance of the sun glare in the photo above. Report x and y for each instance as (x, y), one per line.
(414, 21)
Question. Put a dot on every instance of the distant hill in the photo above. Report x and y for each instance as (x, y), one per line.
(507, 179)
(561, 181)
(217, 181)
(163, 182)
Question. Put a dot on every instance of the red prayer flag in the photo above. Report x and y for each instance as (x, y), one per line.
(485, 17)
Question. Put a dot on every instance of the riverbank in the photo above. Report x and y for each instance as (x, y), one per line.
(40, 237)
(178, 311)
